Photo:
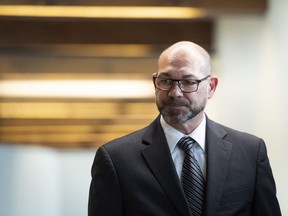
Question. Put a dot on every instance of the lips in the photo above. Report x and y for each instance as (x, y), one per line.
(176, 103)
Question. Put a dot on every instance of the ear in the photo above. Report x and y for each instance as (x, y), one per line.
(154, 75)
(212, 86)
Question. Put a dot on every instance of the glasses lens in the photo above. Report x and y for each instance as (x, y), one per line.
(188, 85)
(163, 84)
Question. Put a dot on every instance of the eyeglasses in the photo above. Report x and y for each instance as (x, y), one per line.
(186, 85)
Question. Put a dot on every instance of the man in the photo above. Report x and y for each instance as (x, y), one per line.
(145, 173)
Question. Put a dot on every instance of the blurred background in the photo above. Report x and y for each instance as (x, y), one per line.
(76, 74)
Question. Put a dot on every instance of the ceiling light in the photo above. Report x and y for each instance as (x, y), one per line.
(76, 89)
(125, 12)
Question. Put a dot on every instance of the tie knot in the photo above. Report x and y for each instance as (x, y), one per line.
(186, 143)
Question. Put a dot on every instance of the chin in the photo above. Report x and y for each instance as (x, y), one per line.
(178, 118)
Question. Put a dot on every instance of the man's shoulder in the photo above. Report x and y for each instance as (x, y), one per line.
(126, 148)
(138, 136)
(127, 139)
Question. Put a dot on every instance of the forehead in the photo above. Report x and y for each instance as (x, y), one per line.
(178, 74)
(179, 70)
(179, 64)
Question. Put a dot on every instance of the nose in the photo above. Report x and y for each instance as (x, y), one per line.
(175, 91)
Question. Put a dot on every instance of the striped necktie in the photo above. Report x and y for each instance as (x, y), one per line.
(192, 178)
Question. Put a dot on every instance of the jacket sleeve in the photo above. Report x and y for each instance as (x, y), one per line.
(105, 195)
(265, 200)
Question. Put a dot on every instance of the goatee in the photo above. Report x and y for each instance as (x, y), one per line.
(177, 116)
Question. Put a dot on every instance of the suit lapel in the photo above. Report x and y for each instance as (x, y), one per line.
(218, 156)
(158, 158)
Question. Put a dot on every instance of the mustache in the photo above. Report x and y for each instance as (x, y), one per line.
(176, 102)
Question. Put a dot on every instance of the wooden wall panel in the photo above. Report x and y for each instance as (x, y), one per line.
(32, 31)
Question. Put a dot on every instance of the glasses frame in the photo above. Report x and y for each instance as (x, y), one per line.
(178, 83)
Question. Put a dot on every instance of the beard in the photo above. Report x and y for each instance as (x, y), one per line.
(173, 115)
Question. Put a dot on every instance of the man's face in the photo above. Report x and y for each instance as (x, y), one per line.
(178, 107)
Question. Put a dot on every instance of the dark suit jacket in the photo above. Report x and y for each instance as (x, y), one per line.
(135, 176)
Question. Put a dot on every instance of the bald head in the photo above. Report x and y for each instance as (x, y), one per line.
(186, 52)
(183, 85)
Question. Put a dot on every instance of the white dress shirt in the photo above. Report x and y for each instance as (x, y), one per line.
(173, 136)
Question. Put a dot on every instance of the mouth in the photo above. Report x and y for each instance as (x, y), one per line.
(177, 107)
(176, 104)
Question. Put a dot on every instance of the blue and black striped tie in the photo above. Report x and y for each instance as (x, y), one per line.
(192, 178)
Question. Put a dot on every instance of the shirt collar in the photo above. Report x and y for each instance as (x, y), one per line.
(173, 136)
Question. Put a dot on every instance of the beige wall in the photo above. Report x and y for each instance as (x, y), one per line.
(252, 63)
